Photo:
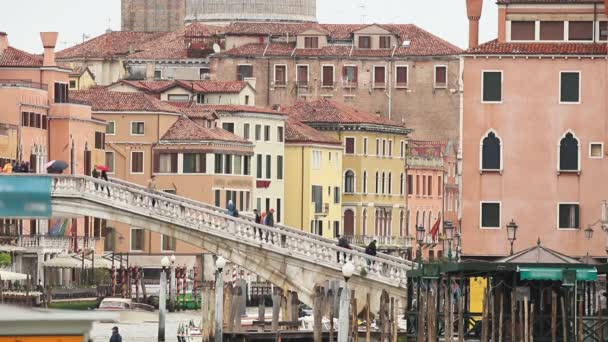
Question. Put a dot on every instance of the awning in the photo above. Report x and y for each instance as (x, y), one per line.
(557, 273)
(12, 276)
(11, 248)
(64, 261)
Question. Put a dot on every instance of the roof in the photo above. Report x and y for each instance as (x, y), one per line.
(12, 57)
(541, 255)
(197, 86)
(80, 70)
(199, 110)
(102, 99)
(495, 47)
(298, 132)
(118, 43)
(185, 129)
(146, 86)
(333, 112)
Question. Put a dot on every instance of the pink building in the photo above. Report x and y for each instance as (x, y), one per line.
(534, 128)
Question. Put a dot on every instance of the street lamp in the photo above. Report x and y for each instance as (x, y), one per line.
(162, 299)
(220, 263)
(589, 233)
(457, 242)
(511, 233)
(347, 271)
(420, 238)
(448, 227)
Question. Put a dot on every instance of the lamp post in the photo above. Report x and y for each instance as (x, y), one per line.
(220, 263)
(162, 299)
(457, 242)
(347, 271)
(420, 239)
(448, 227)
(588, 236)
(511, 233)
(172, 285)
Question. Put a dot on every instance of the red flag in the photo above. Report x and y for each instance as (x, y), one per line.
(435, 230)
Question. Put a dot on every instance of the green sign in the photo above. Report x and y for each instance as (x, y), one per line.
(557, 273)
(25, 197)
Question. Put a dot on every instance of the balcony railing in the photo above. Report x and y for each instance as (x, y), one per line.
(22, 83)
(386, 241)
(62, 243)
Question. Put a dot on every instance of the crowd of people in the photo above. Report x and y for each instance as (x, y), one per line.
(15, 167)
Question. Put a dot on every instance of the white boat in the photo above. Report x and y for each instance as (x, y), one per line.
(129, 311)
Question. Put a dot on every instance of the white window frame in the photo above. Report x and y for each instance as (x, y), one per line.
(602, 149)
(307, 74)
(354, 182)
(131, 129)
(598, 34)
(580, 87)
(161, 74)
(333, 75)
(536, 31)
(481, 169)
(162, 237)
(143, 162)
(113, 161)
(567, 32)
(374, 85)
(440, 86)
(351, 84)
(274, 75)
(501, 86)
(499, 214)
(407, 71)
(578, 170)
(315, 165)
(114, 125)
(131, 239)
(354, 145)
(557, 216)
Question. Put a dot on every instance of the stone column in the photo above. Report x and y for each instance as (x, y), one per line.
(39, 269)
(219, 306)
(343, 322)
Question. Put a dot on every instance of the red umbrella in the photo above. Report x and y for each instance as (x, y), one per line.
(103, 168)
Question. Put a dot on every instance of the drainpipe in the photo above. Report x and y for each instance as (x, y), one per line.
(302, 192)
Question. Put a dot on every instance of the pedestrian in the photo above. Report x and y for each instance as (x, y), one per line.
(95, 174)
(343, 242)
(232, 211)
(257, 216)
(26, 167)
(152, 188)
(115, 335)
(8, 167)
(371, 250)
(104, 176)
(270, 218)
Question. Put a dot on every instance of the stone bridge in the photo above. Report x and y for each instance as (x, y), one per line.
(289, 258)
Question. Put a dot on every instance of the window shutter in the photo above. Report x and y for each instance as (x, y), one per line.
(356, 73)
(156, 162)
(174, 162)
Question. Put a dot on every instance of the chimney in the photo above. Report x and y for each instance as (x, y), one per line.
(3, 42)
(474, 13)
(49, 40)
(606, 6)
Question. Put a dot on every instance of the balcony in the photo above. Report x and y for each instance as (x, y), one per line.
(22, 84)
(393, 242)
(63, 244)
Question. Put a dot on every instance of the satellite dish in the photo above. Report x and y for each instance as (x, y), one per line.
(216, 48)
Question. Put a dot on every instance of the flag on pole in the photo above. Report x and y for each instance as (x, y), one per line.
(435, 230)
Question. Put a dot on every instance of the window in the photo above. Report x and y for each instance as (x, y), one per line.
(523, 30)
(551, 30)
(377, 182)
(228, 126)
(570, 87)
(247, 165)
(401, 184)
(385, 42)
(137, 162)
(280, 134)
(216, 197)
(365, 42)
(384, 147)
(100, 140)
(383, 182)
(279, 167)
(441, 76)
(137, 239)
(72, 84)
(200, 98)
(228, 164)
(278, 212)
(302, 75)
(336, 228)
(137, 128)
(266, 133)
(402, 149)
(377, 147)
(158, 74)
(110, 161)
(167, 163)
(410, 184)
(490, 215)
(259, 166)
(603, 30)
(246, 131)
(580, 30)
(336, 194)
(350, 74)
(491, 152)
(311, 42)
(258, 132)
(429, 186)
(401, 75)
(168, 243)
(280, 75)
(439, 186)
(219, 164)
(244, 71)
(328, 76)
(596, 150)
(568, 215)
(25, 119)
(268, 167)
(417, 185)
(61, 93)
(238, 165)
(45, 122)
(379, 76)
(389, 190)
(365, 146)
(111, 128)
(246, 99)
(194, 163)
(492, 86)
(390, 148)
(568, 153)
(364, 187)
(350, 145)
(317, 198)
(349, 182)
(179, 97)
(317, 157)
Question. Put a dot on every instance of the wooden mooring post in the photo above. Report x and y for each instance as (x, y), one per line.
(317, 311)
(553, 316)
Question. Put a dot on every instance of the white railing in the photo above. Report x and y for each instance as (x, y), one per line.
(391, 241)
(61, 243)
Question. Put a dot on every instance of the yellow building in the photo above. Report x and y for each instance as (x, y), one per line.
(81, 78)
(313, 168)
(373, 165)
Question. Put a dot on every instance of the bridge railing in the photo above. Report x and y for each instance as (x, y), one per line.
(251, 220)
(181, 212)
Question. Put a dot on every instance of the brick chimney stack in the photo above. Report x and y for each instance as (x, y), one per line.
(3, 42)
(49, 41)
(474, 13)
(606, 6)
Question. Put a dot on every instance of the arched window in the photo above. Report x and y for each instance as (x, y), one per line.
(407, 223)
(423, 219)
(377, 183)
(388, 222)
(349, 182)
(376, 221)
(430, 224)
(401, 184)
(364, 182)
(568, 153)
(417, 220)
(364, 223)
(383, 182)
(390, 183)
(401, 223)
(491, 152)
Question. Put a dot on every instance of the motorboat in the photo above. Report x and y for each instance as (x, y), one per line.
(129, 310)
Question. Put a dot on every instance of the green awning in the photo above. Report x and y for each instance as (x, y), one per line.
(548, 273)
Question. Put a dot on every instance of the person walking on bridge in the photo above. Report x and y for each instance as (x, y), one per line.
(104, 176)
(371, 250)
(152, 188)
(342, 242)
(269, 220)
(115, 335)
(232, 211)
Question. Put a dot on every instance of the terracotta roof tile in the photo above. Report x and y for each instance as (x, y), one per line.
(119, 43)
(102, 99)
(215, 87)
(264, 29)
(147, 86)
(333, 112)
(185, 129)
(196, 110)
(298, 132)
(536, 48)
(16, 58)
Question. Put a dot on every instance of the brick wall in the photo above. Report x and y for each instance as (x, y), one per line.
(153, 15)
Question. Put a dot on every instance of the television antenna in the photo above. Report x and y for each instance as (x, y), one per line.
(363, 7)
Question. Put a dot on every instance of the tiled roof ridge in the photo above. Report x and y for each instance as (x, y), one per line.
(186, 129)
(107, 44)
(16, 57)
(494, 47)
(102, 99)
(298, 132)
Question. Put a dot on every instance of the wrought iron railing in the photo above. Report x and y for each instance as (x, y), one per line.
(23, 84)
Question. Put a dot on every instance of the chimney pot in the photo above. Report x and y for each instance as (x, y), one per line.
(3, 42)
(49, 41)
(474, 8)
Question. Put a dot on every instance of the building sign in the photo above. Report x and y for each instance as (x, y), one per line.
(25, 197)
(262, 184)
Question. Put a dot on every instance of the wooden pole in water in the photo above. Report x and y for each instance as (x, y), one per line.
(395, 325)
(553, 316)
(580, 321)
(355, 321)
(331, 309)
(500, 318)
(526, 329)
(368, 332)
(564, 326)
(493, 317)
(276, 308)
(391, 320)
(461, 318)
(531, 323)
(446, 315)
(484, 315)
(600, 331)
(317, 313)
(513, 313)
